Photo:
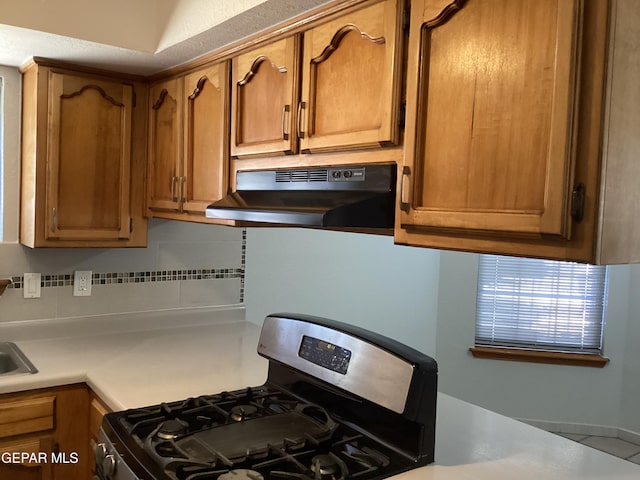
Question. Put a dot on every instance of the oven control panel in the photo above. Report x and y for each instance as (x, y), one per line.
(327, 350)
(325, 354)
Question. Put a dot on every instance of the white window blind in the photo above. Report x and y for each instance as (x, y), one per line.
(540, 304)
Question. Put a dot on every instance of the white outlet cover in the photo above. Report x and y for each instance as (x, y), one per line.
(32, 285)
(82, 283)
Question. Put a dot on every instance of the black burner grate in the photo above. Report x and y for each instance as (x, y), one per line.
(254, 434)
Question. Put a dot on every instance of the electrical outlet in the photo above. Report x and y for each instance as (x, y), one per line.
(82, 283)
(31, 285)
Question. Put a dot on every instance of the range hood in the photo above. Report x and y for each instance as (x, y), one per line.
(351, 196)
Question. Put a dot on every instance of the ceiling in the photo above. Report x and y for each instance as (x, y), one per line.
(140, 37)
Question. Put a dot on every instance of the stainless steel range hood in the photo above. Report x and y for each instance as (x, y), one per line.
(352, 196)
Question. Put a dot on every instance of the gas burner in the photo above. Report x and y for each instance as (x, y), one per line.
(240, 413)
(170, 429)
(241, 474)
(326, 467)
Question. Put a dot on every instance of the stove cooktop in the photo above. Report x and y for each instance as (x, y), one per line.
(339, 402)
(257, 433)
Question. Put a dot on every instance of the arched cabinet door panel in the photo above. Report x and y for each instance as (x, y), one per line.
(187, 168)
(351, 80)
(491, 117)
(165, 144)
(205, 175)
(83, 155)
(264, 100)
(89, 157)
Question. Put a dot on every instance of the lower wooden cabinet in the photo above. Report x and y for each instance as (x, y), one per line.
(43, 434)
(27, 459)
(97, 410)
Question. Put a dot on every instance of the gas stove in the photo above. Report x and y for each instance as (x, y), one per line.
(339, 403)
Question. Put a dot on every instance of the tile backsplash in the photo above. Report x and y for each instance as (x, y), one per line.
(184, 266)
(65, 280)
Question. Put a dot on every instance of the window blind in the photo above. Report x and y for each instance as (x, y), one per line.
(540, 304)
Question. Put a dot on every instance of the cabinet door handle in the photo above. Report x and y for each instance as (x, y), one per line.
(577, 202)
(173, 189)
(181, 189)
(54, 219)
(286, 109)
(405, 205)
(301, 107)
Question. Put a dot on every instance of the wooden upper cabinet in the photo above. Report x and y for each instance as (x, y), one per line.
(165, 144)
(188, 143)
(265, 98)
(351, 80)
(89, 158)
(82, 145)
(206, 103)
(520, 132)
(491, 117)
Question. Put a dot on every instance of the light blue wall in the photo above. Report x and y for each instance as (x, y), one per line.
(426, 299)
(630, 411)
(525, 390)
(365, 280)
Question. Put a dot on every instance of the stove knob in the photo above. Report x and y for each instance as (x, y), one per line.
(109, 465)
(100, 453)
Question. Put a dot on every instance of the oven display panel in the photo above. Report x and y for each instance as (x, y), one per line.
(325, 354)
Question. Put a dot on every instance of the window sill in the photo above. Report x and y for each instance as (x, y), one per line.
(536, 356)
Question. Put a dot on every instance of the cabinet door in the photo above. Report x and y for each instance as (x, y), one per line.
(490, 111)
(351, 80)
(265, 89)
(206, 159)
(165, 145)
(37, 467)
(88, 158)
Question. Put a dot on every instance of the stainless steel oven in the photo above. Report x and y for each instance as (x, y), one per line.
(339, 402)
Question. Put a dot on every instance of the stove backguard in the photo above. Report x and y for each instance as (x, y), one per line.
(372, 383)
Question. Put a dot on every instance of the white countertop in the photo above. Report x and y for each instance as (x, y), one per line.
(137, 360)
(144, 361)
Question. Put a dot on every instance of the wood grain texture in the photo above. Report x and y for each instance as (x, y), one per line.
(264, 99)
(28, 470)
(165, 144)
(32, 159)
(28, 415)
(355, 63)
(4, 283)
(72, 431)
(89, 187)
(46, 420)
(81, 154)
(351, 80)
(97, 410)
(491, 112)
(188, 143)
(206, 157)
(587, 142)
(535, 356)
(52, 419)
